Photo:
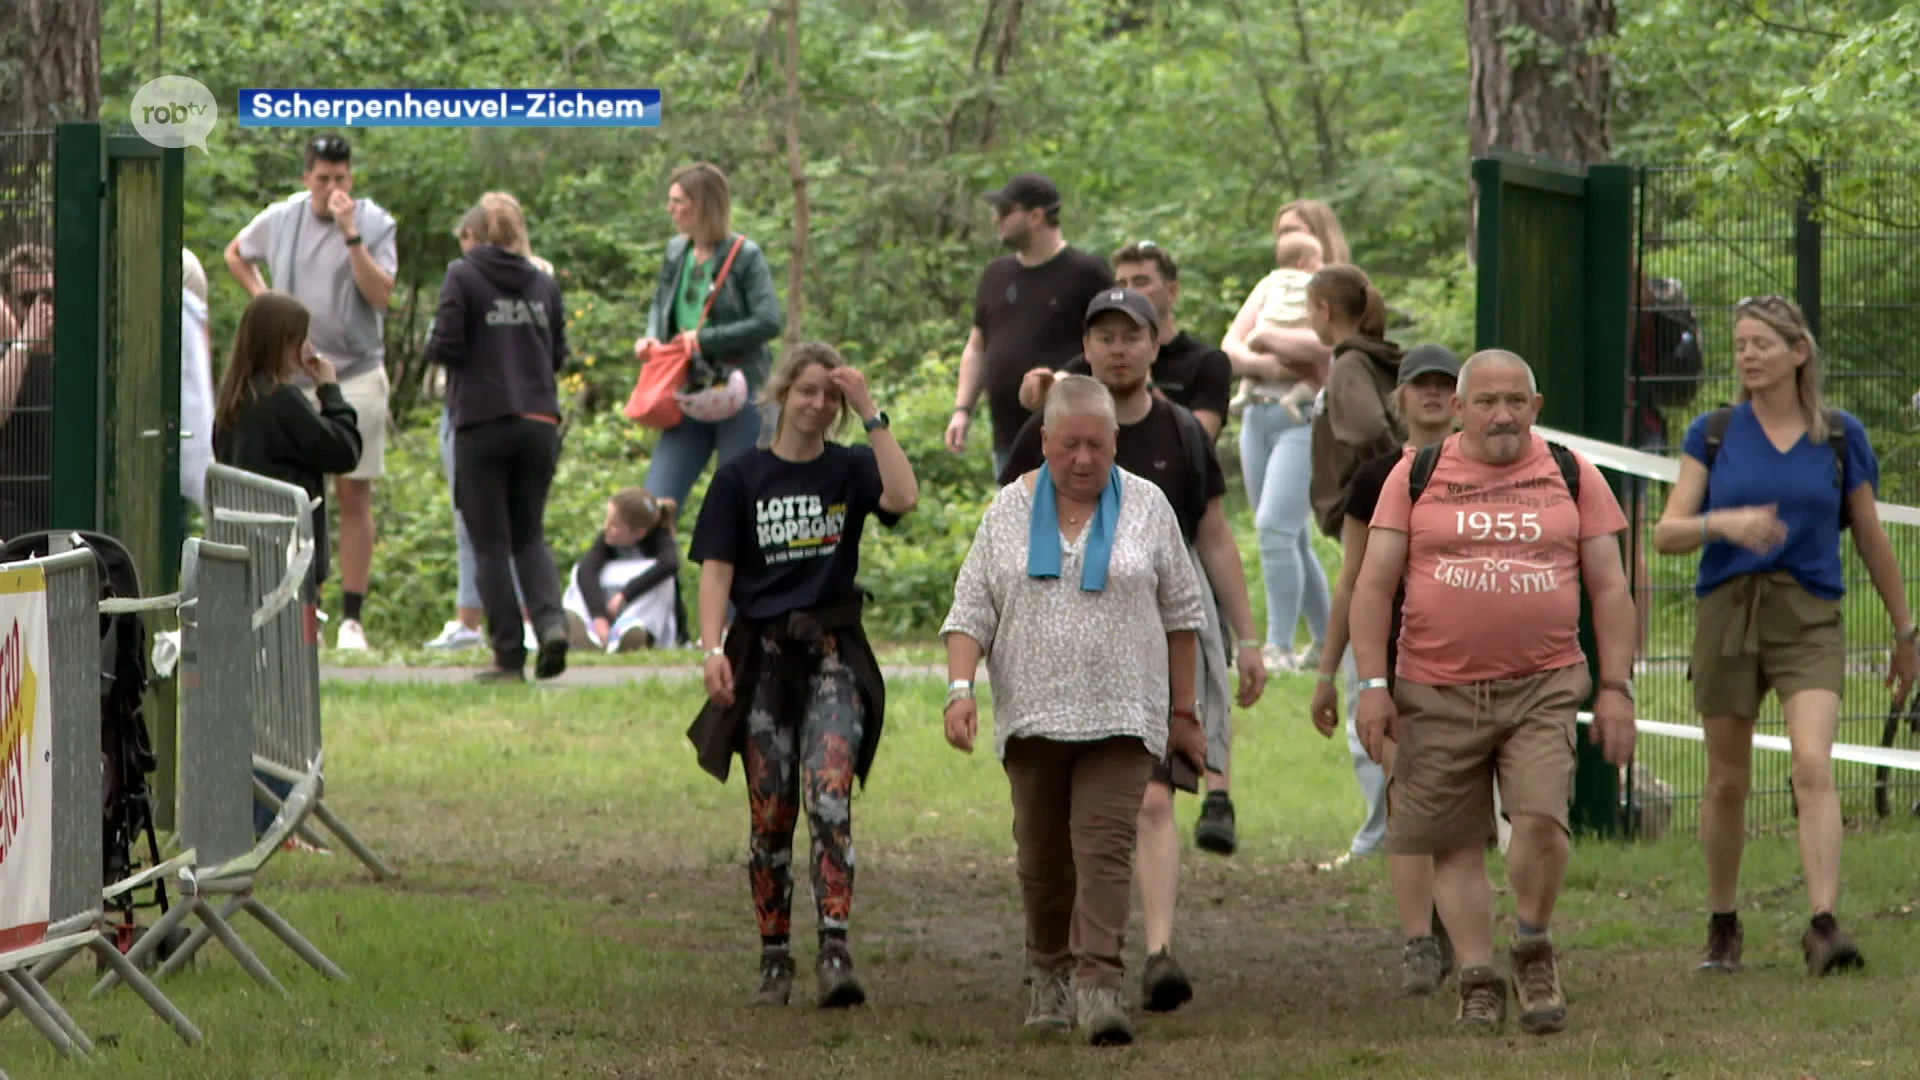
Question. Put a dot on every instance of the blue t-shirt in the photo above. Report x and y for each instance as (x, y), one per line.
(1749, 471)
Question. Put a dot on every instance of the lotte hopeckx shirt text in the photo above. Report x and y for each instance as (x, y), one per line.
(1493, 564)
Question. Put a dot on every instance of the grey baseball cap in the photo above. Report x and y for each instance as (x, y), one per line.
(1426, 359)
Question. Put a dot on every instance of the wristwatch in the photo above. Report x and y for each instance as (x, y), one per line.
(1625, 686)
(879, 421)
(353, 240)
(717, 650)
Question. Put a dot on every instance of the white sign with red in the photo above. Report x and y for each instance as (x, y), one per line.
(26, 759)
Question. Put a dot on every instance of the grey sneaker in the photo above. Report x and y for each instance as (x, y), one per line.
(1422, 968)
(1050, 999)
(1164, 985)
(776, 977)
(1483, 1000)
(1103, 1015)
(839, 987)
(1536, 984)
(1214, 831)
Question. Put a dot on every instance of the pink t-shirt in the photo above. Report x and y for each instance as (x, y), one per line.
(1493, 564)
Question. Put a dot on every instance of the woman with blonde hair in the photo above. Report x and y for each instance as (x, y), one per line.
(500, 332)
(463, 631)
(1766, 488)
(795, 691)
(1275, 446)
(709, 262)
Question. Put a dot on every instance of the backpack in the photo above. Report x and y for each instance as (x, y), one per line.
(1677, 363)
(1427, 457)
(1717, 422)
(1195, 443)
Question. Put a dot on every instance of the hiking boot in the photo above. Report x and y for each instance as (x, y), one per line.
(1103, 1015)
(1724, 940)
(1828, 949)
(1214, 831)
(776, 977)
(1422, 969)
(1050, 999)
(1164, 985)
(839, 987)
(1483, 1000)
(1536, 985)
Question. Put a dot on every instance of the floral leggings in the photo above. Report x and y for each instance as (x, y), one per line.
(821, 743)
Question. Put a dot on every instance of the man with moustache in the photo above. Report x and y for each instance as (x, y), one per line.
(1493, 544)
(1157, 440)
(1026, 311)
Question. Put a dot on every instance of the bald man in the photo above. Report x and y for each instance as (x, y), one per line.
(1494, 532)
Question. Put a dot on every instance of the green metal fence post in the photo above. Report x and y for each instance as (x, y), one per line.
(79, 270)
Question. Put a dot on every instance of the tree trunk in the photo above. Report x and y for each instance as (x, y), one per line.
(797, 172)
(49, 62)
(1538, 80)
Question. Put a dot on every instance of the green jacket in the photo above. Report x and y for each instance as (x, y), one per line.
(746, 312)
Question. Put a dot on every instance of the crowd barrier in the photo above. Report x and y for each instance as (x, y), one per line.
(273, 522)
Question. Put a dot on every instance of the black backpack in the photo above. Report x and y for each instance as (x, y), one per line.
(1195, 442)
(1427, 457)
(1677, 364)
(1717, 422)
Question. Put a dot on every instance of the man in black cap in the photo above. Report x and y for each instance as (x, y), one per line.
(1026, 310)
(1163, 442)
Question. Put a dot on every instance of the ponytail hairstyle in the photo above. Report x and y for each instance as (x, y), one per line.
(1351, 297)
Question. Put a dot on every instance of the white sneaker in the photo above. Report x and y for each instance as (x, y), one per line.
(456, 635)
(351, 637)
(1278, 661)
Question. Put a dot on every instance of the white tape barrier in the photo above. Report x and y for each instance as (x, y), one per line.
(1655, 467)
(1904, 760)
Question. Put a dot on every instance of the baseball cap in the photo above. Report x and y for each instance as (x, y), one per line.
(1426, 359)
(1123, 300)
(1031, 190)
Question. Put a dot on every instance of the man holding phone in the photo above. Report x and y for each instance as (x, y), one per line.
(337, 255)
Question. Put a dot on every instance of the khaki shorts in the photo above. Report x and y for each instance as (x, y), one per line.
(368, 393)
(1455, 740)
(1763, 632)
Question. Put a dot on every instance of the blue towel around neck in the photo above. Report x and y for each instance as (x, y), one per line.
(1043, 533)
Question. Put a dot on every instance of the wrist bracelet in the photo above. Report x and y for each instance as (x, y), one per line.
(1705, 536)
(1911, 633)
(1373, 684)
(1251, 643)
(1329, 678)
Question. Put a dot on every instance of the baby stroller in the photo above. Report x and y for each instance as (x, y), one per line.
(126, 750)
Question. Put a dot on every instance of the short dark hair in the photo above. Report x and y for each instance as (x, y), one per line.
(1148, 251)
(332, 149)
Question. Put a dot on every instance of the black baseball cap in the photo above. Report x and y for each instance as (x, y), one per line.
(1030, 190)
(1139, 307)
(1427, 359)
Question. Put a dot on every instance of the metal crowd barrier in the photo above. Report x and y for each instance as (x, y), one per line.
(273, 521)
(216, 767)
(69, 674)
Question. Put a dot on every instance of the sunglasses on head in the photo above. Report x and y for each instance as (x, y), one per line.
(1774, 302)
(328, 145)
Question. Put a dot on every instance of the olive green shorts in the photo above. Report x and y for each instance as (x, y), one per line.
(1763, 632)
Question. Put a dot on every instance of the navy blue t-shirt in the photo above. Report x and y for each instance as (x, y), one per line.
(1749, 471)
(791, 529)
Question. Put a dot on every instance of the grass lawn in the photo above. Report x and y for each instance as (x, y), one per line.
(573, 904)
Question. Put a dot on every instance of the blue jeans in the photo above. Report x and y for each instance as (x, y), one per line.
(684, 449)
(1276, 460)
(467, 593)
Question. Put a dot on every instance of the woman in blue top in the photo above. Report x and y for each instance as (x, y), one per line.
(1768, 505)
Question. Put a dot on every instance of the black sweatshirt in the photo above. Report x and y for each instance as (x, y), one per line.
(500, 331)
(657, 545)
(277, 434)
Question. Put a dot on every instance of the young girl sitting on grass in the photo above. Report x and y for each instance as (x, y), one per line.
(623, 594)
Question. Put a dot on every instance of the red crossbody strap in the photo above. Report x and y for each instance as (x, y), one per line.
(718, 280)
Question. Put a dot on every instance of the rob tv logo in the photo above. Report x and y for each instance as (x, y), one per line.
(174, 111)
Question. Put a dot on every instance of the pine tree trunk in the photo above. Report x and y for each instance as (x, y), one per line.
(49, 62)
(1539, 80)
